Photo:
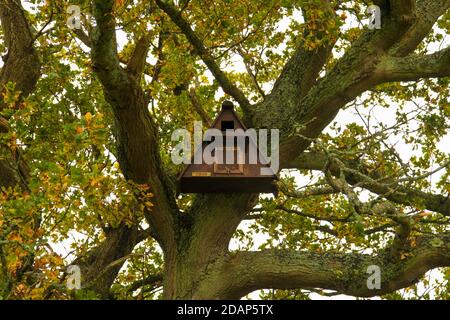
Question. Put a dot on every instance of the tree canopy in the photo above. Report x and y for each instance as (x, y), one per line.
(90, 98)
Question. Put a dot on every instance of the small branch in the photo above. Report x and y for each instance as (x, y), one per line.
(198, 108)
(313, 216)
(158, 65)
(426, 174)
(227, 86)
(41, 32)
(251, 74)
(401, 242)
(341, 185)
(319, 191)
(153, 280)
(83, 36)
(379, 228)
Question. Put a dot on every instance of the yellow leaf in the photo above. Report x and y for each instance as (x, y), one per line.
(88, 117)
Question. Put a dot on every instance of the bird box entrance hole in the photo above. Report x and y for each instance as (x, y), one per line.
(226, 125)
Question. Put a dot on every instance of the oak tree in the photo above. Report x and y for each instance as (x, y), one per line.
(89, 102)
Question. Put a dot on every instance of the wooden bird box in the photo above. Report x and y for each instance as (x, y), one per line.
(240, 176)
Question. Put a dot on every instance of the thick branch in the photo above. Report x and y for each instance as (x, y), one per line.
(352, 75)
(298, 76)
(22, 65)
(100, 266)
(137, 146)
(136, 64)
(414, 67)
(147, 68)
(428, 11)
(22, 68)
(402, 10)
(136, 143)
(355, 72)
(345, 273)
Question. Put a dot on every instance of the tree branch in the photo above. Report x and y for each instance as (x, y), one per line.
(83, 36)
(313, 216)
(147, 68)
(402, 10)
(154, 280)
(136, 63)
(309, 192)
(346, 273)
(136, 139)
(198, 108)
(371, 181)
(415, 67)
(22, 65)
(137, 149)
(252, 75)
(428, 12)
(352, 75)
(227, 86)
(298, 76)
(99, 267)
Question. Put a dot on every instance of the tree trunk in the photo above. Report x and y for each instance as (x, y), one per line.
(188, 275)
